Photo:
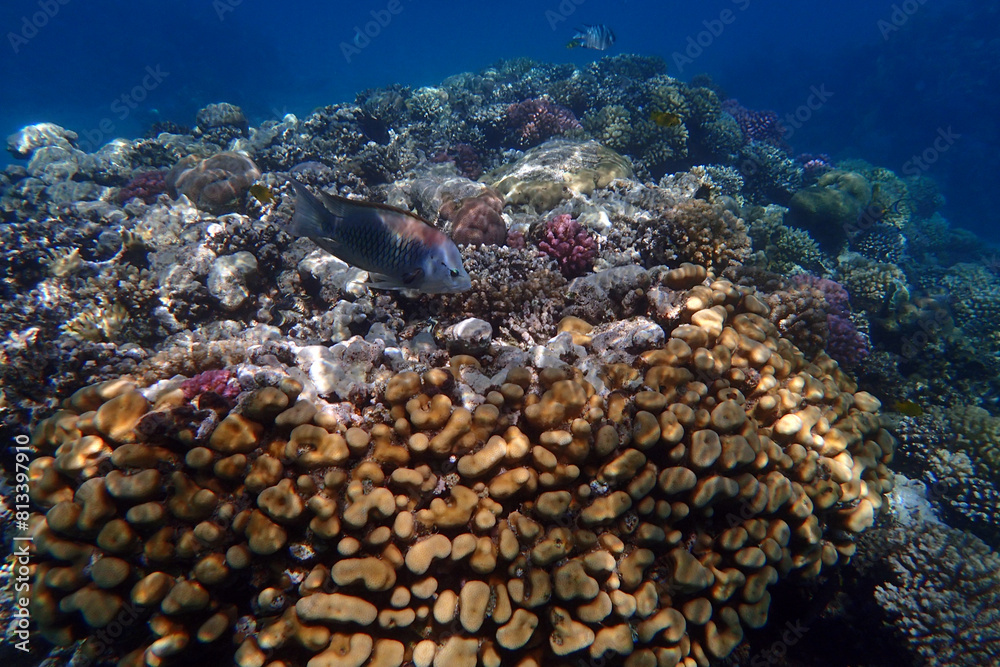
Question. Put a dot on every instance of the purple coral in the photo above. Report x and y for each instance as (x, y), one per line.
(536, 120)
(757, 125)
(844, 342)
(814, 166)
(567, 242)
(147, 186)
(220, 382)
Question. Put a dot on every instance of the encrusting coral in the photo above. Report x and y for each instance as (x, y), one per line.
(585, 510)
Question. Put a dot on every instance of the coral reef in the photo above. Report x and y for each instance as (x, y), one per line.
(831, 210)
(761, 126)
(706, 235)
(221, 123)
(640, 417)
(476, 220)
(576, 505)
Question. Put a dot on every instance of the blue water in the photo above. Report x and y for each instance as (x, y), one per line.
(893, 77)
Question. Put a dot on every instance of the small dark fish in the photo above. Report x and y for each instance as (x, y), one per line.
(664, 118)
(398, 249)
(908, 408)
(597, 37)
(262, 193)
(894, 206)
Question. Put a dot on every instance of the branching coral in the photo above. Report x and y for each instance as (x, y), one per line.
(536, 120)
(757, 125)
(147, 186)
(567, 242)
(518, 291)
(946, 596)
(706, 234)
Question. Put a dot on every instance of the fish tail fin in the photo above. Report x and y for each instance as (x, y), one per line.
(309, 213)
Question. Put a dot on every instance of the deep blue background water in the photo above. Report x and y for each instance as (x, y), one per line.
(897, 73)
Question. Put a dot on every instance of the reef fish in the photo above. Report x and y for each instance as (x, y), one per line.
(262, 193)
(398, 249)
(664, 118)
(598, 37)
(908, 408)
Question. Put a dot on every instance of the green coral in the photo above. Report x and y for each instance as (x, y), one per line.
(871, 284)
(429, 103)
(977, 430)
(780, 248)
(612, 126)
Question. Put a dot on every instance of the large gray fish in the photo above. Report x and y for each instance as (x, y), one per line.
(397, 249)
(598, 37)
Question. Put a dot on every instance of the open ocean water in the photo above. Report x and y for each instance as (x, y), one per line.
(837, 160)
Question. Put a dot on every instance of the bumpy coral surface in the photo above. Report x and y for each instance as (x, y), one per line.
(534, 121)
(946, 596)
(472, 514)
(567, 242)
(98, 288)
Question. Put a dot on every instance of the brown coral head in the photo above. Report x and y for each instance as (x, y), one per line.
(216, 184)
(477, 220)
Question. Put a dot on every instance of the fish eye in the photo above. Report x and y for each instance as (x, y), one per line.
(454, 273)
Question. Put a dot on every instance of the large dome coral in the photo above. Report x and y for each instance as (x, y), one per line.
(631, 504)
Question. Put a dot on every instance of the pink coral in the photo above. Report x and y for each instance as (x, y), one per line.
(220, 382)
(534, 121)
(147, 186)
(477, 220)
(567, 242)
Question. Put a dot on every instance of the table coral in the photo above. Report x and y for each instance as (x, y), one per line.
(542, 518)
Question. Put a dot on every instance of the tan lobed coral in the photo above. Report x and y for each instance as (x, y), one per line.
(217, 184)
(539, 520)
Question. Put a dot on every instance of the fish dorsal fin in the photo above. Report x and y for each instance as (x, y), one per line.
(337, 205)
